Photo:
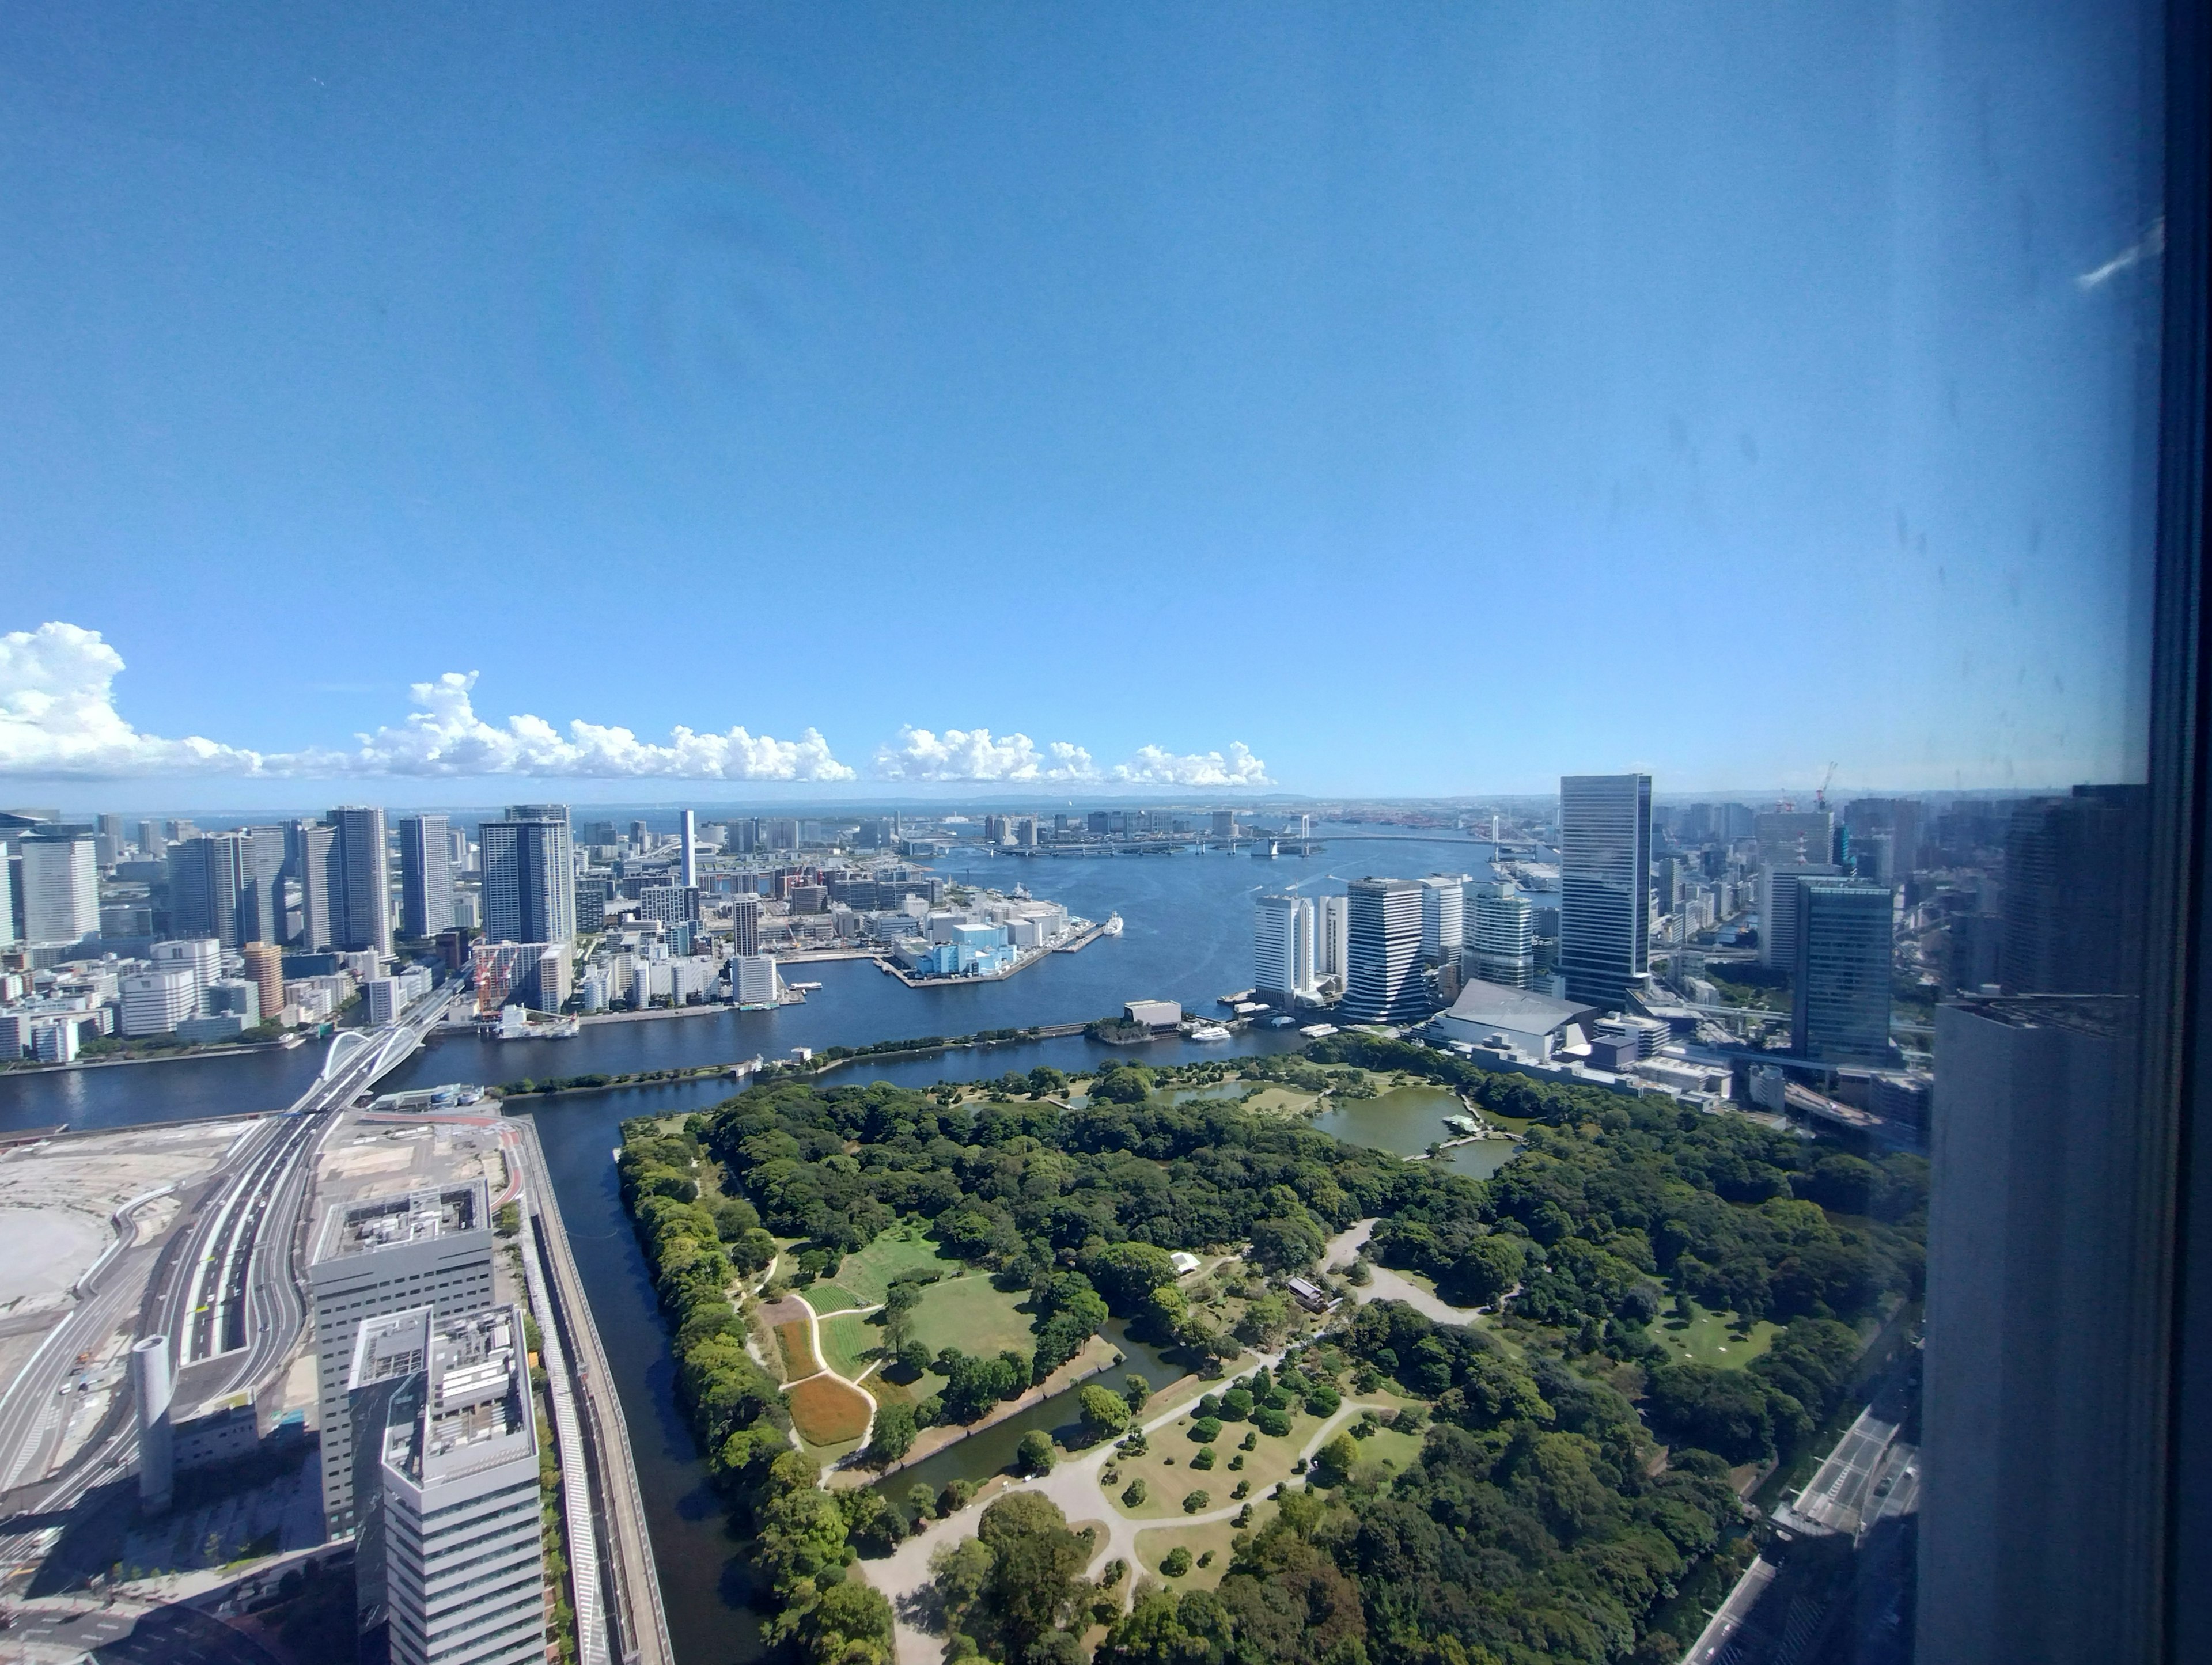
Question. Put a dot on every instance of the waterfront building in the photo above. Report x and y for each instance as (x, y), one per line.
(61, 886)
(1382, 978)
(529, 875)
(157, 999)
(1778, 886)
(311, 856)
(361, 868)
(1841, 983)
(745, 924)
(264, 966)
(426, 876)
(754, 981)
(1332, 938)
(1605, 886)
(1443, 914)
(1224, 824)
(449, 1558)
(1501, 947)
(1283, 949)
(374, 1257)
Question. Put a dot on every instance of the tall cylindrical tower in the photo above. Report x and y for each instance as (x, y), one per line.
(150, 1382)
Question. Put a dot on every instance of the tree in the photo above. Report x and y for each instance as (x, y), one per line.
(1136, 1390)
(1289, 1243)
(1195, 1502)
(1045, 1080)
(921, 1498)
(1126, 1274)
(1337, 1456)
(1176, 1562)
(1104, 1413)
(894, 1434)
(1033, 1455)
(850, 1624)
(1035, 1585)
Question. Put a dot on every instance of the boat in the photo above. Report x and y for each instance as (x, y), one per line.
(1209, 1032)
(1112, 927)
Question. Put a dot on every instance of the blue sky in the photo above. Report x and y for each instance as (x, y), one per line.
(1425, 399)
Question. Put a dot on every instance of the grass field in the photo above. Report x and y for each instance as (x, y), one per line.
(1154, 1546)
(798, 1360)
(868, 1276)
(846, 1339)
(1708, 1338)
(1167, 1473)
(827, 1413)
(826, 1298)
(967, 1313)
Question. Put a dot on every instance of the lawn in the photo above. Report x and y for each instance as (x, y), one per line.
(1154, 1546)
(1710, 1338)
(826, 1298)
(869, 1274)
(846, 1339)
(827, 1413)
(1168, 1476)
(967, 1313)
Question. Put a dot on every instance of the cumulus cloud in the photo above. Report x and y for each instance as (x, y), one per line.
(976, 755)
(57, 719)
(58, 716)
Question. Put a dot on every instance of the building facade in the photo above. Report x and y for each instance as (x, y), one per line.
(529, 875)
(1283, 949)
(1444, 917)
(61, 887)
(360, 905)
(1382, 980)
(426, 876)
(1842, 972)
(1501, 945)
(1605, 886)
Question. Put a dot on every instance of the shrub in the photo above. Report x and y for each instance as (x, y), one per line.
(1135, 1494)
(1235, 1405)
(1270, 1421)
(1195, 1501)
(1244, 1491)
(1176, 1562)
(1206, 1430)
(1204, 1459)
(1323, 1401)
(1033, 1454)
(1249, 1442)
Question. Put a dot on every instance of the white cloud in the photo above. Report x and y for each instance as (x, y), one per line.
(58, 716)
(972, 754)
(1153, 767)
(57, 719)
(976, 755)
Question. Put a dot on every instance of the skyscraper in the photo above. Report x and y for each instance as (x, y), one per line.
(1332, 936)
(1501, 935)
(228, 885)
(1841, 981)
(529, 875)
(1790, 836)
(61, 886)
(1443, 914)
(360, 905)
(687, 838)
(1283, 948)
(426, 876)
(313, 855)
(1778, 885)
(2072, 891)
(1605, 885)
(1383, 982)
(7, 899)
(745, 924)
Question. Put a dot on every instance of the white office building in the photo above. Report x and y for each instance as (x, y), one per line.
(201, 956)
(1501, 935)
(687, 844)
(1332, 936)
(450, 1552)
(1283, 949)
(156, 1001)
(61, 888)
(754, 981)
(1443, 914)
(374, 1257)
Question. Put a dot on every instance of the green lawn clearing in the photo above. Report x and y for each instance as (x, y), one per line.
(1154, 1546)
(868, 1275)
(1711, 1337)
(967, 1313)
(847, 1340)
(826, 1298)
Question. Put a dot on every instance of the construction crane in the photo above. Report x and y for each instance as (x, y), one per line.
(1820, 797)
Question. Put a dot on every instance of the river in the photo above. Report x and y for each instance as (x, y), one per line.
(1186, 936)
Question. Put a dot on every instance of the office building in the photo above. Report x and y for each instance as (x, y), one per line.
(426, 876)
(264, 966)
(1444, 912)
(233, 997)
(61, 886)
(1788, 836)
(1501, 947)
(529, 875)
(745, 924)
(7, 898)
(1382, 980)
(687, 850)
(361, 898)
(1896, 819)
(2073, 892)
(1841, 975)
(201, 956)
(228, 885)
(2037, 1199)
(156, 1001)
(1605, 886)
(1778, 885)
(1283, 949)
(374, 1257)
(1332, 938)
(311, 860)
(450, 1558)
(754, 981)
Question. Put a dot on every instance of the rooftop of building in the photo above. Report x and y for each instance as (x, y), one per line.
(1520, 1009)
(475, 1413)
(360, 1224)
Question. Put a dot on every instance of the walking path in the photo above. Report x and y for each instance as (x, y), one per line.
(787, 1311)
(1385, 1285)
(904, 1576)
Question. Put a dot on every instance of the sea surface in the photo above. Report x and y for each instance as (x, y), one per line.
(1186, 936)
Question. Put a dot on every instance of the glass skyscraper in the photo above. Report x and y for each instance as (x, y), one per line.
(529, 877)
(1605, 885)
(1383, 982)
